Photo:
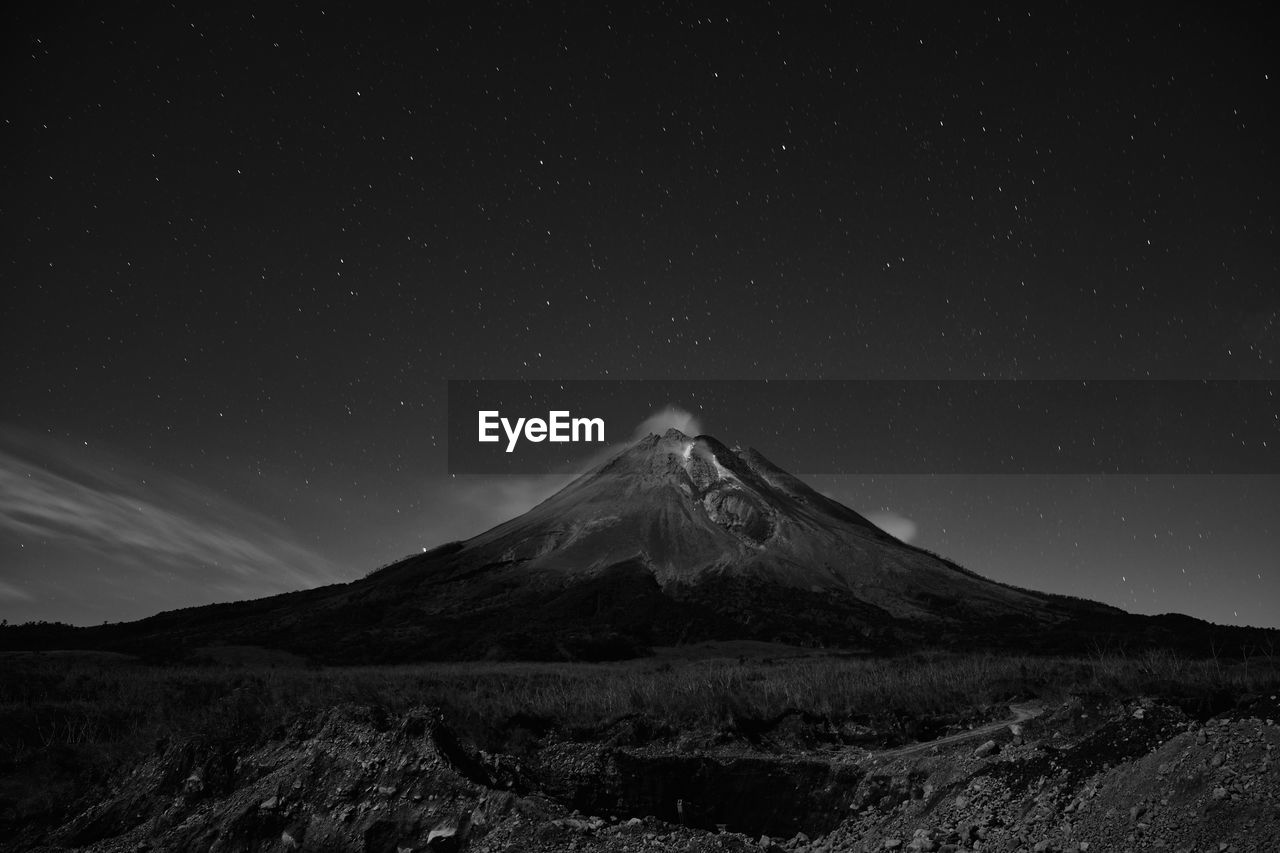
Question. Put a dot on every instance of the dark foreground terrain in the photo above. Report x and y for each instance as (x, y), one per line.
(725, 747)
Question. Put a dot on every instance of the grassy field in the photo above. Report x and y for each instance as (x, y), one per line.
(70, 719)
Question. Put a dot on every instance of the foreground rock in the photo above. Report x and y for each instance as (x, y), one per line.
(351, 780)
(1130, 784)
(1082, 777)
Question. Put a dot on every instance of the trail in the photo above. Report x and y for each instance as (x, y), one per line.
(1025, 711)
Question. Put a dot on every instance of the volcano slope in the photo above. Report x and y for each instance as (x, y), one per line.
(675, 540)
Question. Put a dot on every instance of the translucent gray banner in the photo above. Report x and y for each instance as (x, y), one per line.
(880, 426)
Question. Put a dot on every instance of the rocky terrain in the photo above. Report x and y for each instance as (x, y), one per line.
(1086, 774)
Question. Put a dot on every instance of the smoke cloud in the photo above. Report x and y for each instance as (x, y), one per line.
(672, 417)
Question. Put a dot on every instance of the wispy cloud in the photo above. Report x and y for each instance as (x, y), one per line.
(128, 514)
(9, 592)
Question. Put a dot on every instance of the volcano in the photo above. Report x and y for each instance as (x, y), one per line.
(675, 540)
(709, 542)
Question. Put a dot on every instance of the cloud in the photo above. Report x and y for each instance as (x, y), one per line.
(898, 526)
(128, 515)
(9, 592)
(672, 417)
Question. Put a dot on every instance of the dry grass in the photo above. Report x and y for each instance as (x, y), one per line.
(48, 700)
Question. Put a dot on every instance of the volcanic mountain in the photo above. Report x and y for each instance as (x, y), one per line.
(675, 540)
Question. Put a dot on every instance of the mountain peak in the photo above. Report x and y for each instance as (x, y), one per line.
(676, 539)
(698, 539)
(687, 508)
(674, 457)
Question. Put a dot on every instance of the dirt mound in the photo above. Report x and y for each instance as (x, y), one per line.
(351, 779)
(1142, 777)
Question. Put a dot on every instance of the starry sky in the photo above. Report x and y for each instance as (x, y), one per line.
(245, 249)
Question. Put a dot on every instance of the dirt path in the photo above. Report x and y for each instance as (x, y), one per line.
(1020, 712)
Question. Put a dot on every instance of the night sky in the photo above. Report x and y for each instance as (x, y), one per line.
(245, 249)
